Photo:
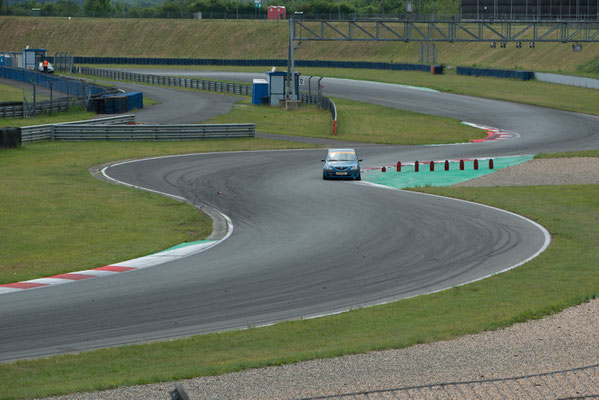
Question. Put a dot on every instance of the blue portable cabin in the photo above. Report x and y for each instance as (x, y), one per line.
(32, 57)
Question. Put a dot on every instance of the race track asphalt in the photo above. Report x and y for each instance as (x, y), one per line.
(300, 246)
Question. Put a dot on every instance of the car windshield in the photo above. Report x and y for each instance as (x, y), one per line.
(342, 156)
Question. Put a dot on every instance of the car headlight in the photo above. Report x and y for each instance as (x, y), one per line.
(328, 167)
(355, 168)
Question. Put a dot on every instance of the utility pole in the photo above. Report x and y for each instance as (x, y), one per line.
(291, 62)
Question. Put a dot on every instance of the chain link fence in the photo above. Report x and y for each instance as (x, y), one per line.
(577, 383)
(63, 62)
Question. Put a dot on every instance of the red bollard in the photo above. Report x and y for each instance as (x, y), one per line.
(446, 165)
(491, 163)
(461, 165)
(399, 166)
(383, 169)
(416, 166)
(475, 164)
(432, 164)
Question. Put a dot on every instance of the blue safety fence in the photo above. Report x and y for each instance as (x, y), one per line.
(264, 62)
(73, 87)
(497, 73)
(98, 99)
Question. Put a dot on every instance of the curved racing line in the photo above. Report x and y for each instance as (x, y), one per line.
(285, 261)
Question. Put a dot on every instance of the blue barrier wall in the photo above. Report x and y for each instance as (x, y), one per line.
(251, 63)
(74, 87)
(111, 104)
(497, 73)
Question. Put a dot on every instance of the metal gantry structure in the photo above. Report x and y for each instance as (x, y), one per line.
(408, 30)
(430, 31)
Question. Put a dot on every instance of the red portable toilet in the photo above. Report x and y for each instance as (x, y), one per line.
(277, 12)
(282, 12)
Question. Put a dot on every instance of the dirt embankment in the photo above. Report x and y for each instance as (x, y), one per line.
(247, 39)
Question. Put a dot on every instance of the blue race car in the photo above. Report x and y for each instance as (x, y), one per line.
(341, 164)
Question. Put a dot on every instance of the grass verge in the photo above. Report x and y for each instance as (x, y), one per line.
(359, 122)
(9, 93)
(569, 154)
(77, 208)
(564, 275)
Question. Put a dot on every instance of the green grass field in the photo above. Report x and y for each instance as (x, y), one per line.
(359, 122)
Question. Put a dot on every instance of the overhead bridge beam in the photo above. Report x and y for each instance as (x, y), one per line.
(446, 31)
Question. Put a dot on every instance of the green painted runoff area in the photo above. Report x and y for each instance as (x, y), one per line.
(408, 178)
(186, 244)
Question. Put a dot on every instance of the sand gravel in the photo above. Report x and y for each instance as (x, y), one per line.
(561, 171)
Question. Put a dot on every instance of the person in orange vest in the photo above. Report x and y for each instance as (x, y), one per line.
(45, 65)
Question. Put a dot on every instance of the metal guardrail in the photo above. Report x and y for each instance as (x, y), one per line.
(189, 83)
(576, 383)
(12, 111)
(36, 133)
(115, 129)
(58, 105)
(151, 132)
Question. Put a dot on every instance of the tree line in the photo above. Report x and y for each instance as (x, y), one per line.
(231, 9)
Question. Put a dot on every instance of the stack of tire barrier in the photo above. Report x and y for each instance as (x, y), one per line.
(436, 69)
(497, 73)
(116, 103)
(10, 138)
